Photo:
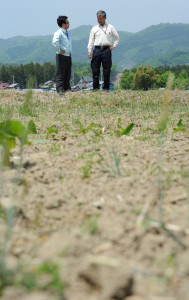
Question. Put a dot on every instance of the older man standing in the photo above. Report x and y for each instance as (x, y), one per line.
(102, 40)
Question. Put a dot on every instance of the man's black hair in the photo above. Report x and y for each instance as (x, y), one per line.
(61, 20)
(101, 13)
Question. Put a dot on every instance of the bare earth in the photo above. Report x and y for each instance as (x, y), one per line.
(108, 213)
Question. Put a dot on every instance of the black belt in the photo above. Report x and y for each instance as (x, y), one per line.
(102, 47)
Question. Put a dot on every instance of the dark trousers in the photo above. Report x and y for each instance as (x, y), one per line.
(63, 72)
(104, 57)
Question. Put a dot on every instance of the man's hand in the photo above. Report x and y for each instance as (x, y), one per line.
(61, 52)
(90, 55)
(112, 48)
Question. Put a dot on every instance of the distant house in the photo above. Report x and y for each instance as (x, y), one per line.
(75, 88)
(50, 83)
(4, 85)
(14, 86)
(47, 85)
(84, 81)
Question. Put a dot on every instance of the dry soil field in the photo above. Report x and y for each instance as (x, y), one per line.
(97, 206)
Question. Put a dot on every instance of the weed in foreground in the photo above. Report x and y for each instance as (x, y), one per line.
(121, 130)
(111, 164)
(43, 278)
(90, 225)
(10, 131)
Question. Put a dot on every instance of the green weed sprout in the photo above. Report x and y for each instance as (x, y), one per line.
(10, 132)
(180, 127)
(121, 130)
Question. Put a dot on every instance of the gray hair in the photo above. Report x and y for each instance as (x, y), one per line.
(101, 13)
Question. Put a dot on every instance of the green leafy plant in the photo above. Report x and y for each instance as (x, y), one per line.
(32, 127)
(51, 131)
(95, 128)
(180, 127)
(123, 130)
(10, 132)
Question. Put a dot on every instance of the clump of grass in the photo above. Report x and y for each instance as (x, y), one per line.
(164, 115)
(112, 164)
(31, 280)
(43, 278)
(90, 225)
(55, 149)
(89, 161)
(86, 169)
(27, 108)
(6, 112)
(162, 128)
(96, 129)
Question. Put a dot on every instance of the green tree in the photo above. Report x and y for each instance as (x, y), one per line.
(182, 80)
(162, 79)
(48, 71)
(41, 73)
(126, 80)
(5, 76)
(144, 78)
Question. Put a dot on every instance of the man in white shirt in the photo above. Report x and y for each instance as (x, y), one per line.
(62, 43)
(102, 40)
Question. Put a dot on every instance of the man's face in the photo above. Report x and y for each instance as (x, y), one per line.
(67, 25)
(101, 20)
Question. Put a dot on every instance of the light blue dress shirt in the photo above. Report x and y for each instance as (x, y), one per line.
(62, 41)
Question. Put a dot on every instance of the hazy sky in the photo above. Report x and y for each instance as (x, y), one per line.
(38, 17)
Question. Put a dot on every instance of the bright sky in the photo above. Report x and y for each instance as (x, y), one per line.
(38, 17)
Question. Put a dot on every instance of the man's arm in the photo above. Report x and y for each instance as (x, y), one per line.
(56, 43)
(116, 38)
(91, 43)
